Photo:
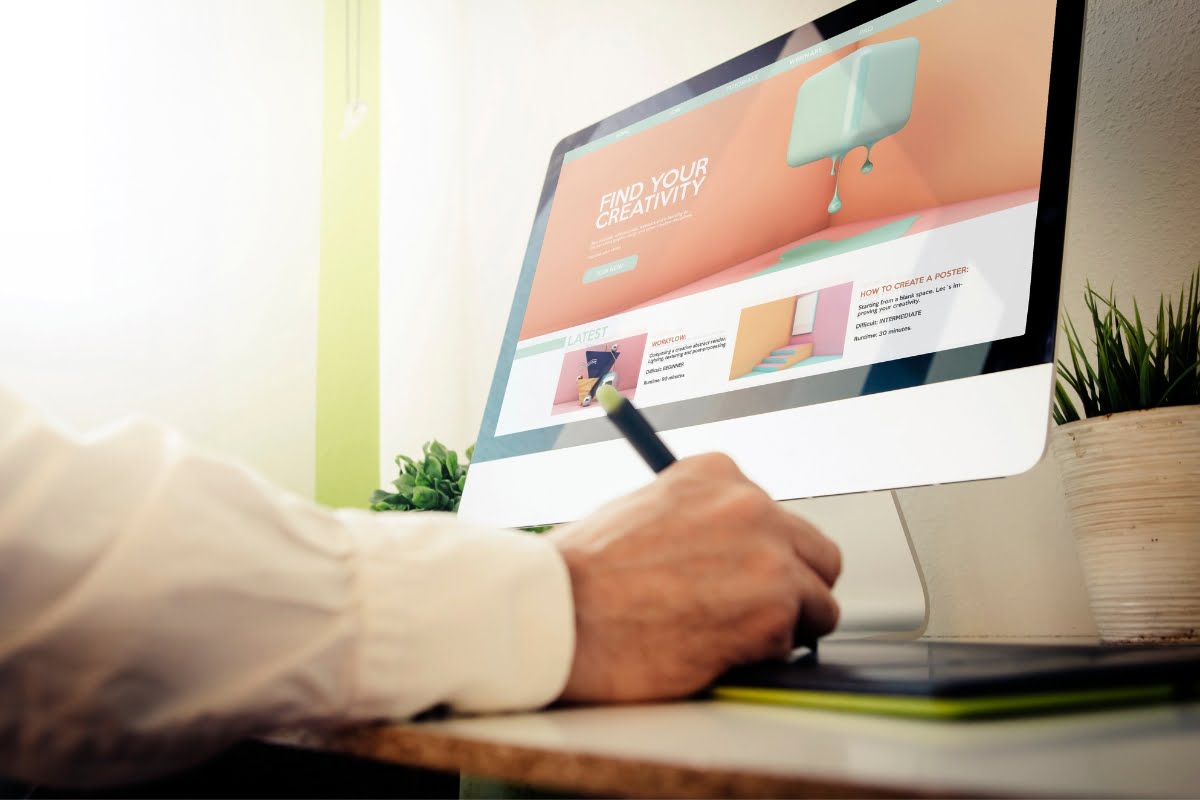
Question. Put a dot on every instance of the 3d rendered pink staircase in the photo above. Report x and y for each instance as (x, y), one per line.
(783, 357)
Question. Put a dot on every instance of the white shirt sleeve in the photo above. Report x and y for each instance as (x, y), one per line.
(157, 604)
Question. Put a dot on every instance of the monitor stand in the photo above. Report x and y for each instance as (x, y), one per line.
(981, 560)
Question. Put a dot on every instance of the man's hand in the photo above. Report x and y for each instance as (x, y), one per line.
(691, 575)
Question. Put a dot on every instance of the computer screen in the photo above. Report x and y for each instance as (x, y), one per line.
(835, 257)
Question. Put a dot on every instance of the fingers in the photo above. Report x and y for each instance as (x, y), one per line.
(818, 612)
(818, 561)
(809, 544)
(778, 647)
(813, 548)
(805, 610)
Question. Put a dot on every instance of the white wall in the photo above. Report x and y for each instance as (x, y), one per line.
(427, 338)
(1003, 549)
(532, 71)
(159, 217)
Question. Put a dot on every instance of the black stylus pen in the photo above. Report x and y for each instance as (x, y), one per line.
(634, 427)
(645, 440)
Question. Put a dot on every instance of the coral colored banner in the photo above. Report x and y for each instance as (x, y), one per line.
(709, 197)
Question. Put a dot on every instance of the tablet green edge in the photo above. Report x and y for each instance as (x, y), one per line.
(948, 707)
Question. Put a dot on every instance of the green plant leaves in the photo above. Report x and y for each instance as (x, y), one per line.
(433, 467)
(434, 483)
(425, 498)
(1137, 366)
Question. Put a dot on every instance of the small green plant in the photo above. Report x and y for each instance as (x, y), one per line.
(435, 483)
(1136, 366)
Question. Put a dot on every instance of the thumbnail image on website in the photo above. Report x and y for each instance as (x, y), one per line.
(864, 200)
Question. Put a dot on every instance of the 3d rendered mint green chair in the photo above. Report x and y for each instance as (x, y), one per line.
(852, 103)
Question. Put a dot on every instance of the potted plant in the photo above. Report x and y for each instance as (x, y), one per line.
(1129, 453)
(434, 482)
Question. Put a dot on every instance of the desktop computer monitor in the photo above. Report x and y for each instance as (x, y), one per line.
(835, 257)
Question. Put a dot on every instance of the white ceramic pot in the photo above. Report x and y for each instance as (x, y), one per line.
(1132, 485)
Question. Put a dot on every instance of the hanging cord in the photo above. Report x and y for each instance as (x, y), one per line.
(357, 52)
(354, 98)
(353, 109)
(346, 51)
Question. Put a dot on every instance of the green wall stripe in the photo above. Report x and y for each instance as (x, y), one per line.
(542, 347)
(347, 442)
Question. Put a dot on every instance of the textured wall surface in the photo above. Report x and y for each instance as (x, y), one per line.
(1000, 552)
(1135, 196)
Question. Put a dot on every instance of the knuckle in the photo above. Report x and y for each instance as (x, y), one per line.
(829, 612)
(836, 613)
(835, 558)
(775, 567)
(716, 464)
(744, 500)
(776, 623)
(827, 554)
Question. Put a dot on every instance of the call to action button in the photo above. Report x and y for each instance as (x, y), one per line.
(611, 268)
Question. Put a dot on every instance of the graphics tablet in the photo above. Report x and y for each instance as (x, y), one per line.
(957, 679)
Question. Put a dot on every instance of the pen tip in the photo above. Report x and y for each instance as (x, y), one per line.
(609, 398)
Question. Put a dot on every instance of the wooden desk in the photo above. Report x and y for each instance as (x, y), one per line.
(722, 749)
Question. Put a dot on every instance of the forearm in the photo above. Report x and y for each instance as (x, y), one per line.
(157, 604)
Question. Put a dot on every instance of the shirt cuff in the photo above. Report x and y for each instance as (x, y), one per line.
(477, 618)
